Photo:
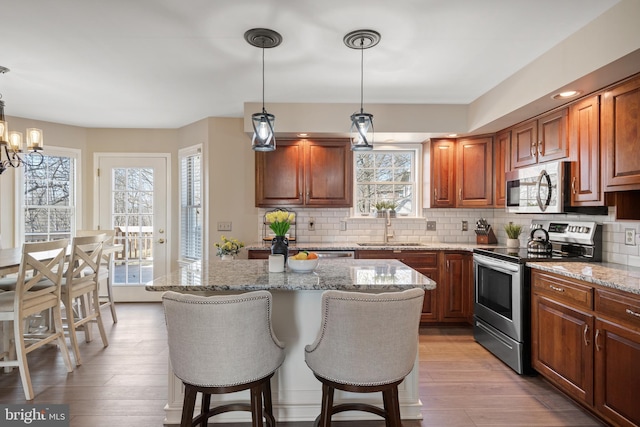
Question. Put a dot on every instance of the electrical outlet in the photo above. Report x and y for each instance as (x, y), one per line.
(465, 225)
(224, 226)
(343, 225)
(630, 236)
(431, 226)
(312, 224)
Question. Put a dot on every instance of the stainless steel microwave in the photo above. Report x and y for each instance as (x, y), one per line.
(536, 189)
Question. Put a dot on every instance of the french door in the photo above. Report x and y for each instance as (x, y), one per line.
(133, 201)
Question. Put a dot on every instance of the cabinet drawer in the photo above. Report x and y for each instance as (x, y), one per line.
(622, 308)
(562, 289)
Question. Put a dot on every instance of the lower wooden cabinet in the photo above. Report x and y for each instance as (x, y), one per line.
(586, 341)
(451, 301)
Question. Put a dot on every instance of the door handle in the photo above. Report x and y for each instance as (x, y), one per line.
(161, 241)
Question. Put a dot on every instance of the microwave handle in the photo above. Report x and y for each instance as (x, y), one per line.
(543, 175)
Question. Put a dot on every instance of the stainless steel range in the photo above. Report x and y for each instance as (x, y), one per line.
(502, 289)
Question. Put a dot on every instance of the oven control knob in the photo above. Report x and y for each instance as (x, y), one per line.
(587, 229)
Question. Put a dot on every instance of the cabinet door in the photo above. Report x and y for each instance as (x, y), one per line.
(553, 137)
(562, 349)
(617, 373)
(474, 175)
(455, 285)
(501, 162)
(524, 142)
(584, 117)
(279, 179)
(443, 158)
(328, 173)
(621, 136)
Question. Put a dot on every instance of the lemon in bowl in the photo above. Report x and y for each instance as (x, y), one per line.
(303, 262)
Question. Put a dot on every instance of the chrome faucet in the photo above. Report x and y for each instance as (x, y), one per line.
(387, 224)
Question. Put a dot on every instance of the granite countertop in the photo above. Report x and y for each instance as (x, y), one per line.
(617, 276)
(249, 275)
(309, 246)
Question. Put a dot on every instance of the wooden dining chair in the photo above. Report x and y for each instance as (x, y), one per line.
(106, 274)
(38, 288)
(80, 289)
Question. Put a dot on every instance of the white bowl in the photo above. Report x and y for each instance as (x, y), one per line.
(302, 265)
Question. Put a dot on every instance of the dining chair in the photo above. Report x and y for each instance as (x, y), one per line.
(106, 274)
(223, 344)
(80, 289)
(366, 343)
(39, 291)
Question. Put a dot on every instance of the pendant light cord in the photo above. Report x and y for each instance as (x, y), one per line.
(362, 75)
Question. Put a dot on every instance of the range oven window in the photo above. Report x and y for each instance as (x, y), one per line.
(494, 291)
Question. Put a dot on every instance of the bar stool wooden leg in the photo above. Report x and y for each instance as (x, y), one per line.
(188, 405)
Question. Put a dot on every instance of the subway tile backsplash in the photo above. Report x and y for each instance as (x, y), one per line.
(449, 228)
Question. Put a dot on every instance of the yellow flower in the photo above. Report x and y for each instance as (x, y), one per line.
(228, 246)
(279, 221)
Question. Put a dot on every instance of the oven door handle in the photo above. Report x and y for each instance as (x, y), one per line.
(505, 267)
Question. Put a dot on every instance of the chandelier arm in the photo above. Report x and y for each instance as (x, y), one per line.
(26, 164)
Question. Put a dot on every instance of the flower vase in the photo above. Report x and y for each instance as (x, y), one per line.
(227, 257)
(280, 245)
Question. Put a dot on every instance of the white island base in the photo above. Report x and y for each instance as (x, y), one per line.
(296, 392)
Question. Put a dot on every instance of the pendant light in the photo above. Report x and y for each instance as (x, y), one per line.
(263, 137)
(362, 123)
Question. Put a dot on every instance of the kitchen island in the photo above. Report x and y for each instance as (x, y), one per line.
(296, 321)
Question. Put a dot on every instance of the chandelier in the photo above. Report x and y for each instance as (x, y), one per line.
(11, 142)
(362, 123)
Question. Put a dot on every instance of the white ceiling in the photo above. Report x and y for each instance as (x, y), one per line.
(169, 63)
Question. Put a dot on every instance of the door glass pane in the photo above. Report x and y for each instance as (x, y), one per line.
(132, 219)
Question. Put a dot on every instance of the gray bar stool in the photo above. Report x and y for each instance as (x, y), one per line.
(366, 343)
(223, 344)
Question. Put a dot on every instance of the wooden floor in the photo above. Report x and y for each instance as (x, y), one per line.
(461, 384)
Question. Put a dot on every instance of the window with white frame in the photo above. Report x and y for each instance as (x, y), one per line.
(191, 203)
(386, 175)
(49, 197)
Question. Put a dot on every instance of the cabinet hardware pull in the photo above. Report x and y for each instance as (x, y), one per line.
(540, 147)
(435, 194)
(631, 312)
(555, 288)
(596, 339)
(460, 194)
(573, 185)
(447, 264)
(584, 335)
(533, 149)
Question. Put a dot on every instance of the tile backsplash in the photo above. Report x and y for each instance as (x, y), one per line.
(337, 226)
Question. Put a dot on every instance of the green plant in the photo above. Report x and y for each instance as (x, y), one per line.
(382, 205)
(513, 230)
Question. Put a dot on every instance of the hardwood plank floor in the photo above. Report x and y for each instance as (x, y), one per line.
(461, 384)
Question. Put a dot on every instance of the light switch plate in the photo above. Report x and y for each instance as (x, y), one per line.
(224, 226)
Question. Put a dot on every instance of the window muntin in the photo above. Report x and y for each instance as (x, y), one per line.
(385, 176)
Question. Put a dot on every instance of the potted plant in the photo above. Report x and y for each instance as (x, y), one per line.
(513, 232)
(227, 249)
(392, 209)
(279, 222)
(381, 207)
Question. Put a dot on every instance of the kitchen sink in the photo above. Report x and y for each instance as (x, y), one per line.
(391, 244)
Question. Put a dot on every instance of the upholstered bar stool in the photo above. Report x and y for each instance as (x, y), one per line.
(367, 343)
(223, 344)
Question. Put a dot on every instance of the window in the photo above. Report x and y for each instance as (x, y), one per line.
(385, 175)
(49, 203)
(191, 203)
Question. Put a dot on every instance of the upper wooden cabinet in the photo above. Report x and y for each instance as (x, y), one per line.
(474, 175)
(443, 173)
(584, 136)
(312, 173)
(540, 140)
(462, 172)
(501, 161)
(621, 136)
